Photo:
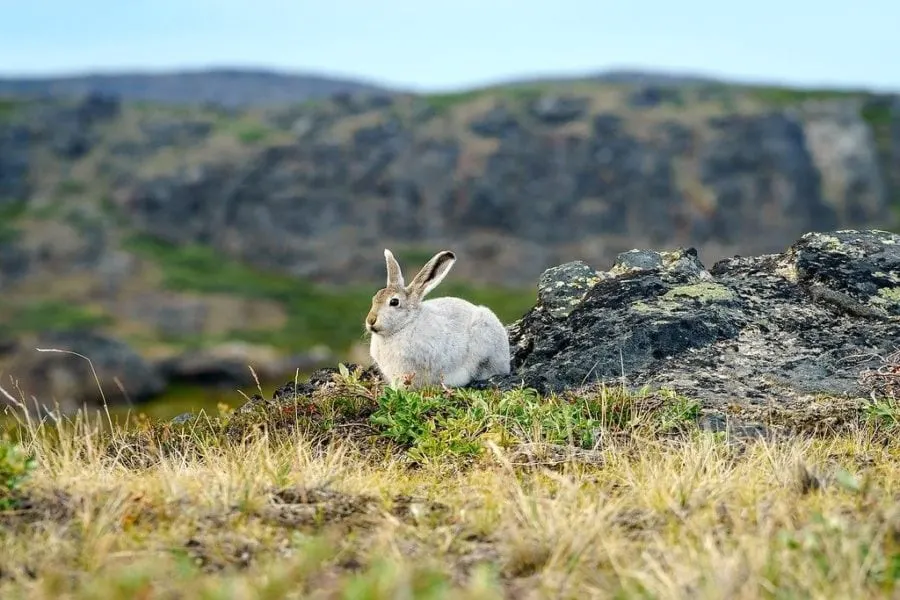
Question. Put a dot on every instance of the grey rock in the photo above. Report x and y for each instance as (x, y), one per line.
(842, 146)
(161, 132)
(183, 418)
(653, 95)
(759, 164)
(558, 110)
(15, 261)
(497, 122)
(97, 107)
(228, 365)
(747, 331)
(356, 103)
(561, 288)
(66, 381)
(15, 146)
(70, 128)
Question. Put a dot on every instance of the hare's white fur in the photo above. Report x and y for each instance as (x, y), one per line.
(447, 341)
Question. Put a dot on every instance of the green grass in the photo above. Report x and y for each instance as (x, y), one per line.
(9, 107)
(316, 315)
(783, 96)
(247, 129)
(10, 211)
(8, 233)
(15, 467)
(252, 134)
(517, 95)
(876, 115)
(433, 426)
(49, 315)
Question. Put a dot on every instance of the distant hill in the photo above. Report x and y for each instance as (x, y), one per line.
(227, 87)
(624, 76)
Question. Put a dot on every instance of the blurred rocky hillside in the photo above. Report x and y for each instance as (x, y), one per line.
(183, 225)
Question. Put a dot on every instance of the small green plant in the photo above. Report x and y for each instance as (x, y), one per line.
(252, 134)
(431, 423)
(15, 467)
(883, 413)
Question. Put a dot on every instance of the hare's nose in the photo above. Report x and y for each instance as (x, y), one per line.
(370, 319)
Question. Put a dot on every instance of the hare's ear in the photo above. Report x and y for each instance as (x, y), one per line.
(431, 274)
(394, 274)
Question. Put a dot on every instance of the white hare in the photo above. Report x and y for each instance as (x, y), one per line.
(420, 343)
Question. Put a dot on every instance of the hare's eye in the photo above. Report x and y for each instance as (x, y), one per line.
(394, 302)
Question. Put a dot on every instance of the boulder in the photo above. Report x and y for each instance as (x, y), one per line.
(228, 365)
(554, 109)
(497, 122)
(761, 330)
(65, 381)
(650, 96)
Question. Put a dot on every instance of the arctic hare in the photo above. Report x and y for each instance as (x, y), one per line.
(445, 341)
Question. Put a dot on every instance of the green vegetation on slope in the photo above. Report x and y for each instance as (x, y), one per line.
(786, 96)
(517, 94)
(9, 107)
(316, 315)
(46, 315)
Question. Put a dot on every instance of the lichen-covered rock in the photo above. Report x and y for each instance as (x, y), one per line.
(561, 288)
(753, 331)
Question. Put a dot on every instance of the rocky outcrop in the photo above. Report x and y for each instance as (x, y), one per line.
(750, 330)
(548, 178)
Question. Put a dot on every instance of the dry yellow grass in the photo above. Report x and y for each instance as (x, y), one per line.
(281, 514)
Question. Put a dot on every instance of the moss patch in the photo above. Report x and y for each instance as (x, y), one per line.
(708, 292)
(891, 294)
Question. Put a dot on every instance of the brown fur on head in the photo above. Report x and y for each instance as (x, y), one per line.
(394, 305)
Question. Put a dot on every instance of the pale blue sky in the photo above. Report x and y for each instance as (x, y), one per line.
(440, 45)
